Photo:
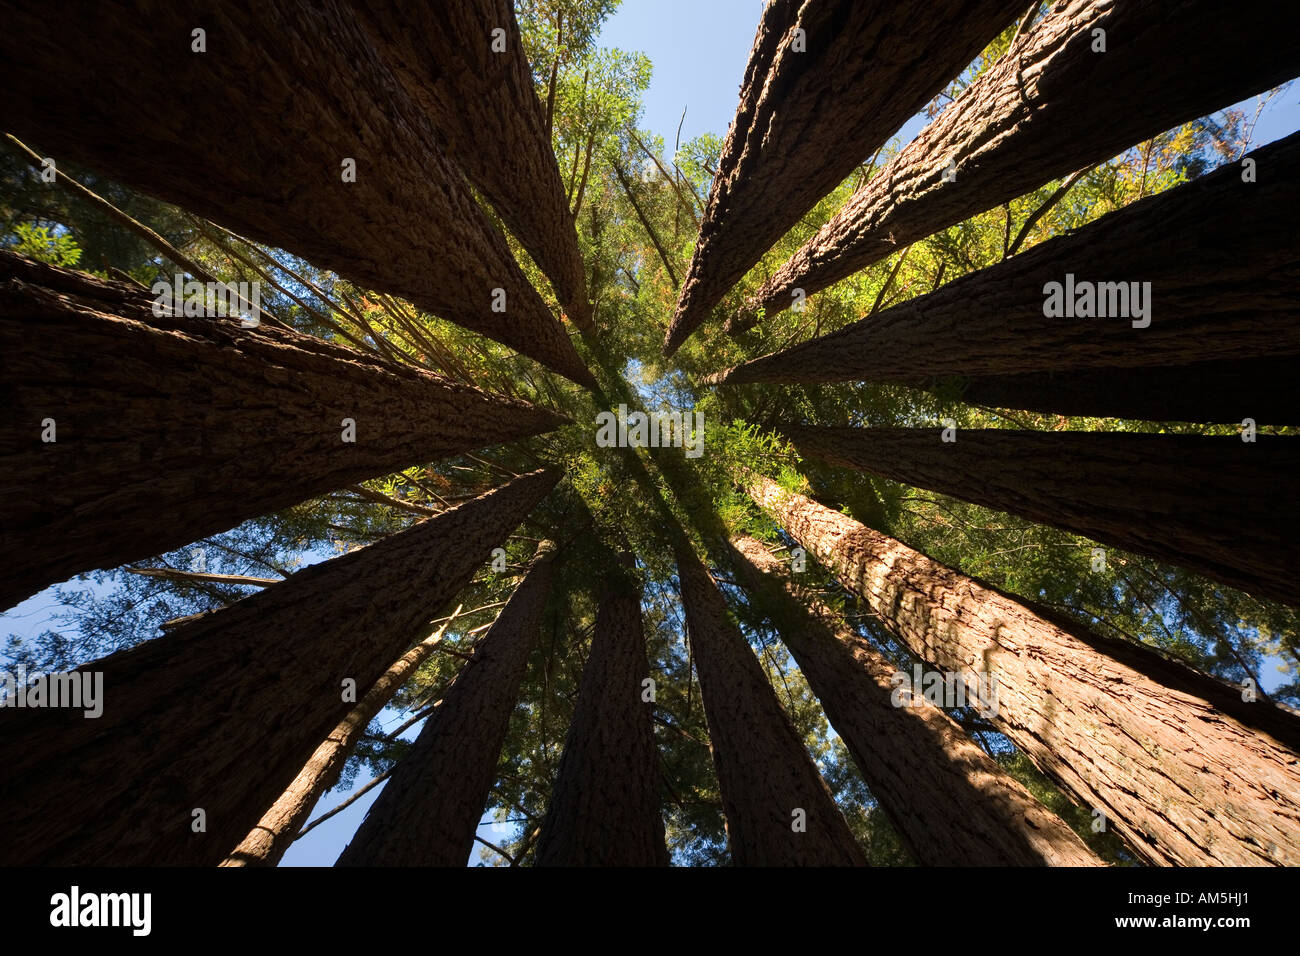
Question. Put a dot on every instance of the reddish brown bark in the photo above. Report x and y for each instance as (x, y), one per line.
(267, 842)
(170, 429)
(1216, 505)
(257, 133)
(1224, 279)
(948, 800)
(221, 714)
(430, 808)
(807, 117)
(1046, 109)
(1182, 767)
(604, 810)
(770, 786)
(488, 119)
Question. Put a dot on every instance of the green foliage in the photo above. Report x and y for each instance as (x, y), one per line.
(36, 242)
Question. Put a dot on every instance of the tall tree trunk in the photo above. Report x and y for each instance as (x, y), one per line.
(604, 810)
(1046, 110)
(1180, 765)
(429, 811)
(1216, 505)
(949, 801)
(777, 807)
(267, 842)
(310, 93)
(446, 58)
(169, 429)
(812, 107)
(220, 715)
(1215, 256)
(1259, 389)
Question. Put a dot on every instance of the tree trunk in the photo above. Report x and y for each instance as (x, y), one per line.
(221, 714)
(486, 114)
(1216, 505)
(1259, 389)
(604, 810)
(949, 801)
(1180, 765)
(270, 117)
(429, 811)
(777, 807)
(810, 112)
(267, 842)
(170, 429)
(1045, 110)
(1216, 255)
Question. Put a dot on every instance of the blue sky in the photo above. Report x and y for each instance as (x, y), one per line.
(698, 49)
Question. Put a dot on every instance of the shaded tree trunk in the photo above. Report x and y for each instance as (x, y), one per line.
(811, 111)
(777, 807)
(1046, 110)
(489, 120)
(221, 714)
(1216, 505)
(1224, 279)
(604, 810)
(429, 810)
(267, 842)
(310, 92)
(171, 429)
(1260, 389)
(1184, 769)
(951, 803)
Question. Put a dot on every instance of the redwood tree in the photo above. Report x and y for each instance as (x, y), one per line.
(204, 728)
(476, 87)
(1179, 763)
(1046, 109)
(778, 810)
(877, 61)
(949, 801)
(1216, 257)
(128, 435)
(604, 809)
(321, 153)
(428, 812)
(1191, 500)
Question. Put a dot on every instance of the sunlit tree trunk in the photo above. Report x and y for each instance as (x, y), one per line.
(1179, 764)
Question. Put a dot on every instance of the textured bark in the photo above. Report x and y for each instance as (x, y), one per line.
(1216, 505)
(1219, 255)
(1182, 767)
(949, 801)
(429, 811)
(764, 770)
(1259, 389)
(486, 114)
(170, 429)
(223, 713)
(807, 118)
(267, 842)
(1046, 109)
(256, 131)
(604, 810)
